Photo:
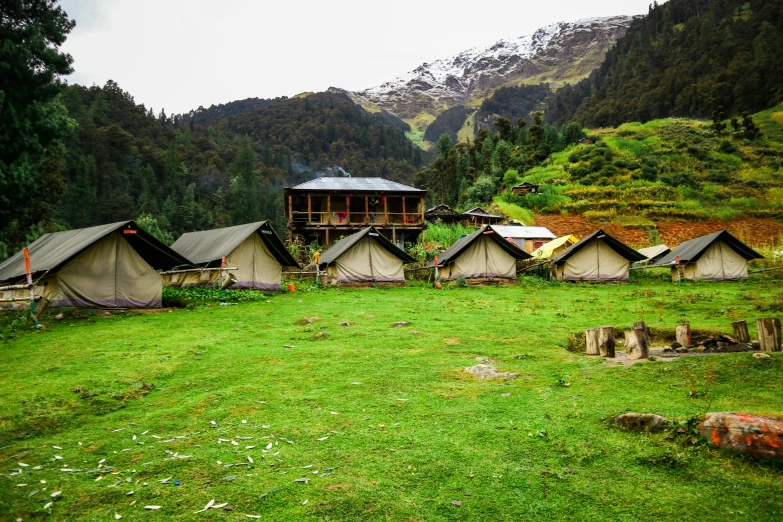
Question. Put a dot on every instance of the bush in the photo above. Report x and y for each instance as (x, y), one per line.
(482, 190)
(728, 148)
(512, 178)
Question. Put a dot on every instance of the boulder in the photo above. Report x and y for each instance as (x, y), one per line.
(761, 355)
(744, 433)
(485, 371)
(641, 422)
(676, 345)
(681, 349)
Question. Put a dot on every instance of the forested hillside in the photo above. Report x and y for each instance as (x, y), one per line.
(210, 168)
(694, 58)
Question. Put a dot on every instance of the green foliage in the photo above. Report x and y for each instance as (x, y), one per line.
(511, 178)
(442, 236)
(151, 225)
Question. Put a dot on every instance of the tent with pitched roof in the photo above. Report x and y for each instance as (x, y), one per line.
(108, 266)
(365, 257)
(715, 257)
(598, 257)
(484, 254)
(254, 249)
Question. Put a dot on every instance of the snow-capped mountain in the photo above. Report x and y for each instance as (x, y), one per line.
(558, 52)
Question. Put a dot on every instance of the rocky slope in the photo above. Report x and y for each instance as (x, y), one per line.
(560, 52)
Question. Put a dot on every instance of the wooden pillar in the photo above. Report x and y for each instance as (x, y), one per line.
(404, 221)
(592, 336)
(367, 209)
(348, 210)
(606, 341)
(741, 333)
(309, 209)
(643, 326)
(385, 211)
(421, 202)
(327, 245)
(683, 334)
(290, 209)
(769, 334)
(636, 344)
(394, 236)
(328, 211)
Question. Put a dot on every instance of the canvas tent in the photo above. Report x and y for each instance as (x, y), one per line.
(554, 247)
(484, 254)
(526, 238)
(715, 257)
(108, 266)
(365, 257)
(598, 257)
(654, 253)
(254, 249)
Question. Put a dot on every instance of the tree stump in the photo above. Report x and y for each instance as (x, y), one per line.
(683, 334)
(592, 336)
(769, 334)
(636, 344)
(643, 326)
(741, 333)
(606, 342)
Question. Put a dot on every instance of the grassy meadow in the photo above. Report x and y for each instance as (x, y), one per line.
(252, 405)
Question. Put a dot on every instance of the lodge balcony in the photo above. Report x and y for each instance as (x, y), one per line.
(354, 212)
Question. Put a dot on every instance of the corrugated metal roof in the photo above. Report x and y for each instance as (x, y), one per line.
(342, 246)
(357, 184)
(692, 249)
(208, 246)
(51, 251)
(519, 232)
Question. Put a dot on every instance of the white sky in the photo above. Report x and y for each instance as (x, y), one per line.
(179, 54)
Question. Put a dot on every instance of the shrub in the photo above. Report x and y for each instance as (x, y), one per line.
(727, 147)
(482, 190)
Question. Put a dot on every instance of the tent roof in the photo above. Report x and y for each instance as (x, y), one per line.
(454, 251)
(518, 232)
(51, 251)
(692, 249)
(546, 249)
(654, 251)
(208, 246)
(357, 184)
(621, 248)
(343, 245)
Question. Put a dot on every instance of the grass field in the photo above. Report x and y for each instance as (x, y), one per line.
(381, 421)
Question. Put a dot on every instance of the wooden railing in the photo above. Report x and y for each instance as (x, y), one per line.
(344, 219)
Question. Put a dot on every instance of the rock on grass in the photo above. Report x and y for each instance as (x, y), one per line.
(485, 371)
(641, 422)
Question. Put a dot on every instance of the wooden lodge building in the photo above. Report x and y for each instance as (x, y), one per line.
(328, 208)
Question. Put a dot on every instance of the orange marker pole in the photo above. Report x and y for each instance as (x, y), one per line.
(33, 312)
(222, 278)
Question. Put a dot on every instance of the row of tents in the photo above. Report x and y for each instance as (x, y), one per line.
(121, 266)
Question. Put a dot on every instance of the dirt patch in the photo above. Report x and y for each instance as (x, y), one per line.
(451, 342)
(659, 353)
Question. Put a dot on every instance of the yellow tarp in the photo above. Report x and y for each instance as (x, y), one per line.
(554, 247)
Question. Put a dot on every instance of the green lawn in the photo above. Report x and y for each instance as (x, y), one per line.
(392, 427)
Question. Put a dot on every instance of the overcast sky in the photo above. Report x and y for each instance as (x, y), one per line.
(179, 54)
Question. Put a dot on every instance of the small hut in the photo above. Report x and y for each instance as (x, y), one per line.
(524, 188)
(442, 214)
(554, 247)
(365, 258)
(654, 253)
(108, 266)
(715, 257)
(526, 238)
(477, 216)
(483, 255)
(598, 257)
(254, 249)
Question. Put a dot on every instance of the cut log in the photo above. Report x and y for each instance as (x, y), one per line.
(592, 336)
(769, 334)
(636, 344)
(606, 342)
(741, 333)
(683, 334)
(643, 326)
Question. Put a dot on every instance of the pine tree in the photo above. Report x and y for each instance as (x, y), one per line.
(81, 196)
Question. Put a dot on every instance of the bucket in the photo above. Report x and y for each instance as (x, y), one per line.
(291, 287)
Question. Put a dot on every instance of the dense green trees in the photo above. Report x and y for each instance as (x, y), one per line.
(685, 58)
(31, 119)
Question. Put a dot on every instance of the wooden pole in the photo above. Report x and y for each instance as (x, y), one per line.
(34, 313)
(327, 239)
(309, 209)
(385, 212)
(437, 276)
(683, 334)
(290, 209)
(592, 337)
(606, 341)
(643, 326)
(367, 209)
(636, 344)
(741, 333)
(421, 202)
(769, 334)
(347, 210)
(328, 211)
(404, 221)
